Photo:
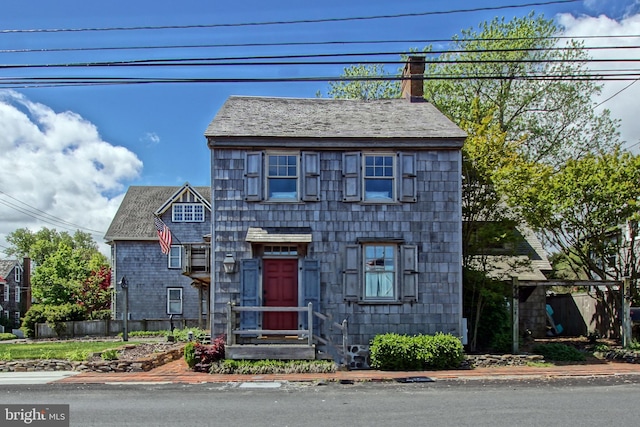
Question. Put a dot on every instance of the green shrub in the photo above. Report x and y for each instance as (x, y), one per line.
(36, 314)
(58, 315)
(261, 367)
(7, 336)
(190, 354)
(78, 355)
(634, 345)
(559, 352)
(145, 334)
(183, 334)
(109, 354)
(394, 352)
(100, 315)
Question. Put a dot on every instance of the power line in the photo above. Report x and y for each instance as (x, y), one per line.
(312, 43)
(42, 215)
(299, 21)
(617, 93)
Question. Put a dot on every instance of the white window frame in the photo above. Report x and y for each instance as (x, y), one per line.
(18, 290)
(174, 259)
(269, 176)
(187, 212)
(368, 176)
(171, 302)
(16, 319)
(17, 274)
(7, 295)
(6, 314)
(375, 269)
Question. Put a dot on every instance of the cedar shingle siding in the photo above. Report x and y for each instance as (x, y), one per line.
(424, 222)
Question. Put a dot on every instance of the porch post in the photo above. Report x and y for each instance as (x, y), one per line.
(310, 322)
(515, 316)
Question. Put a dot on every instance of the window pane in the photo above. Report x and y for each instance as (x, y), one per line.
(381, 189)
(283, 188)
(380, 271)
(174, 257)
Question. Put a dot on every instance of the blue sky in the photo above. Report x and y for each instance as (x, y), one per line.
(69, 153)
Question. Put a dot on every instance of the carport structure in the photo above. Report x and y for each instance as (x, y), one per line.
(520, 285)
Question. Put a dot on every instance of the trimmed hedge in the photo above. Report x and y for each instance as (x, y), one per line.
(394, 352)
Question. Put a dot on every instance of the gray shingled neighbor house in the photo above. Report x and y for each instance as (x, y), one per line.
(353, 206)
(157, 287)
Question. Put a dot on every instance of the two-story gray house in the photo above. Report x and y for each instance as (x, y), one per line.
(353, 206)
(156, 285)
(11, 293)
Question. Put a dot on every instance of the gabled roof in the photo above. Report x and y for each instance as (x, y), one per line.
(263, 117)
(6, 266)
(528, 262)
(180, 195)
(134, 218)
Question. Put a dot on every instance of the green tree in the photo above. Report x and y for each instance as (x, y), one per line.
(581, 207)
(41, 244)
(69, 268)
(513, 71)
(365, 89)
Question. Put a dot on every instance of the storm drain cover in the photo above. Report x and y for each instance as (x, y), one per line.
(415, 380)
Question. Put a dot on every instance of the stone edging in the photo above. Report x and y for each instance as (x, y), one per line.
(140, 365)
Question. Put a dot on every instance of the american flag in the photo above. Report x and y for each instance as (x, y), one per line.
(164, 234)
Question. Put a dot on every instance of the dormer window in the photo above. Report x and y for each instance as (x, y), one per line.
(187, 212)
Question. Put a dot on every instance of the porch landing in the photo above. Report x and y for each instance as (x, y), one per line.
(270, 351)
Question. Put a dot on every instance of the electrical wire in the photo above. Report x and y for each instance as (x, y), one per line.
(312, 43)
(290, 22)
(42, 215)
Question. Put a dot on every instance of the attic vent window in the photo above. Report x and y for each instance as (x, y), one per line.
(187, 212)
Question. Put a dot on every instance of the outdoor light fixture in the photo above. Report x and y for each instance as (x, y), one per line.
(229, 264)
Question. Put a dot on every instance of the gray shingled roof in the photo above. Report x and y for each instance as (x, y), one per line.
(242, 116)
(6, 265)
(134, 218)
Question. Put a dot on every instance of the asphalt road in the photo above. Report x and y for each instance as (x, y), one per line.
(583, 402)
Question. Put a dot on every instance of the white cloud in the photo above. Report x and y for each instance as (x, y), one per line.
(56, 164)
(623, 105)
(151, 137)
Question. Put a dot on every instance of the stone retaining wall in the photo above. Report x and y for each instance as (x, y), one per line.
(140, 365)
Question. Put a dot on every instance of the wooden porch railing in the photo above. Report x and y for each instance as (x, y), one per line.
(232, 330)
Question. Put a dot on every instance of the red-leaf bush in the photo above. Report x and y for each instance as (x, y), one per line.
(206, 355)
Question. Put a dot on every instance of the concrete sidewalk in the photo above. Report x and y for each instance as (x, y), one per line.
(178, 372)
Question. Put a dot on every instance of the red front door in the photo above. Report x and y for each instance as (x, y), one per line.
(280, 289)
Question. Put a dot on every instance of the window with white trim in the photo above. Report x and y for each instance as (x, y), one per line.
(187, 212)
(16, 319)
(6, 292)
(379, 272)
(174, 300)
(17, 293)
(379, 177)
(17, 274)
(282, 177)
(175, 256)
(6, 314)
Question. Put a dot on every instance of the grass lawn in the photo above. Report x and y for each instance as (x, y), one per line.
(67, 350)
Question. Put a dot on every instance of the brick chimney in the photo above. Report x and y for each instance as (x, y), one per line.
(413, 87)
